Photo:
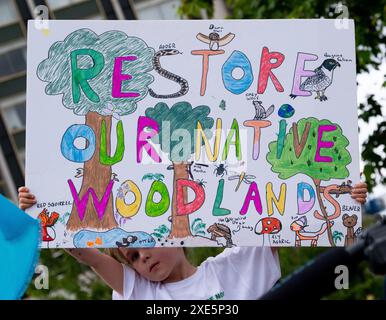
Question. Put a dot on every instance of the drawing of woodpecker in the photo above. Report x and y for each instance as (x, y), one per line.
(321, 80)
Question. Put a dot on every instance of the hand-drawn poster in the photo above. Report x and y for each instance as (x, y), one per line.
(193, 133)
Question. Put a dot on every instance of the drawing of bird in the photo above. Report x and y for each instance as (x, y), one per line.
(214, 40)
(321, 80)
(261, 113)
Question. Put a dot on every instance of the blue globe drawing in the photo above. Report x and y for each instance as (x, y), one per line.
(286, 111)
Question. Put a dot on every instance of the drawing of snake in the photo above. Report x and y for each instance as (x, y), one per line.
(168, 75)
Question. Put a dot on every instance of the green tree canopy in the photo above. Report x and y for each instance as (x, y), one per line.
(289, 164)
(182, 117)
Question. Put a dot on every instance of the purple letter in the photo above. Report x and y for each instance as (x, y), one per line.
(324, 144)
(142, 137)
(118, 77)
(300, 72)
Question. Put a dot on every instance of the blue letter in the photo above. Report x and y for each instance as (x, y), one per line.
(71, 152)
(237, 60)
(305, 206)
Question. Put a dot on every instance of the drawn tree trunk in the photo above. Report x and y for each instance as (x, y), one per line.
(96, 176)
(180, 224)
(324, 212)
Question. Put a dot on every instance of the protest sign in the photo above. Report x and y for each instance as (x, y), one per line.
(193, 133)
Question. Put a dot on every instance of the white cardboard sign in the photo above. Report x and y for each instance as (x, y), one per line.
(193, 133)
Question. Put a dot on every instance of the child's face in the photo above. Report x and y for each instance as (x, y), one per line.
(155, 264)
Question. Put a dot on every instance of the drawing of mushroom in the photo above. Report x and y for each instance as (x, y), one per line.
(268, 226)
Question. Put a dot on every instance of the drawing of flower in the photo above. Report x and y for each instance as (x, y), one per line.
(120, 193)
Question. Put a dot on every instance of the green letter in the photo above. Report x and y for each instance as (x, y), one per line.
(80, 76)
(104, 158)
(234, 129)
(156, 209)
(217, 211)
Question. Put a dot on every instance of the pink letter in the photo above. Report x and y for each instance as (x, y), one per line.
(253, 194)
(118, 78)
(81, 205)
(300, 72)
(324, 144)
(266, 67)
(142, 137)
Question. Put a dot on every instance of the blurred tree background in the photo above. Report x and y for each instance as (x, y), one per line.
(70, 280)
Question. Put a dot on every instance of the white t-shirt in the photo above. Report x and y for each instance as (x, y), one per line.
(239, 273)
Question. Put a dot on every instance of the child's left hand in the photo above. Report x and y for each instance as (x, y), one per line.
(359, 192)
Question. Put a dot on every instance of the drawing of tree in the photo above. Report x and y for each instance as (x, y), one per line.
(294, 161)
(81, 69)
(181, 116)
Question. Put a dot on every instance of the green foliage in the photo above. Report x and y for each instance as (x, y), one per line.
(181, 119)
(193, 9)
(198, 255)
(68, 279)
(375, 145)
(368, 17)
(289, 165)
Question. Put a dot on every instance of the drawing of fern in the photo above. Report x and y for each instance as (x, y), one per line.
(198, 227)
(337, 236)
(62, 219)
(161, 231)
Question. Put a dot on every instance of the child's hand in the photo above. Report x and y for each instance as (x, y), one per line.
(26, 199)
(359, 192)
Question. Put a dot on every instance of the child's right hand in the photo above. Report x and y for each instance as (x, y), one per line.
(26, 199)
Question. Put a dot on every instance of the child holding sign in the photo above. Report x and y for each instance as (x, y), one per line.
(165, 273)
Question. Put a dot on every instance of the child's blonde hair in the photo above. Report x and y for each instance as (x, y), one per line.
(117, 255)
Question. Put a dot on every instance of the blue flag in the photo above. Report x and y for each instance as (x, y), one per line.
(19, 249)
